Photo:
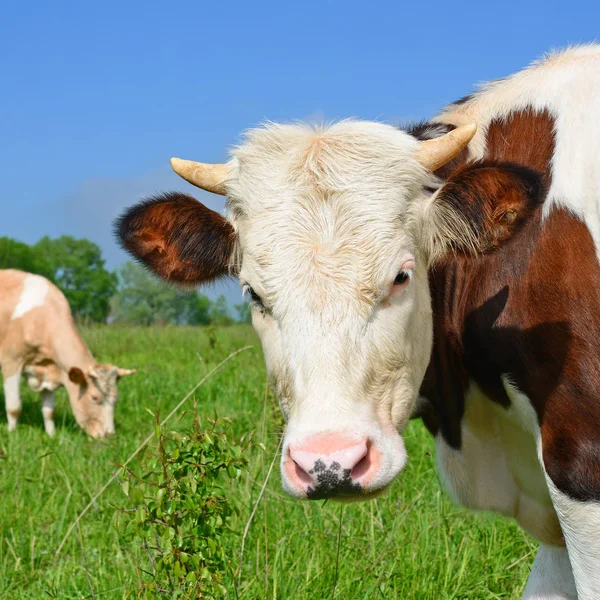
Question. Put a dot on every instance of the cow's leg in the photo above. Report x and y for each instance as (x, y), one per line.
(570, 452)
(551, 576)
(48, 411)
(12, 396)
(580, 522)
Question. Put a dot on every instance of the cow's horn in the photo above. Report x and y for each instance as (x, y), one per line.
(207, 177)
(433, 154)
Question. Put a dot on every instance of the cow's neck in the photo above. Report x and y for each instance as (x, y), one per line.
(509, 314)
(478, 324)
(474, 300)
(71, 351)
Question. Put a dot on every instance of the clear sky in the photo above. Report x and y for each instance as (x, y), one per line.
(96, 96)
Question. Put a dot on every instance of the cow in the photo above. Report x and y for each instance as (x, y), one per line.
(446, 271)
(39, 341)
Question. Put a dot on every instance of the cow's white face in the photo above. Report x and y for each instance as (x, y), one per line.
(331, 232)
(329, 227)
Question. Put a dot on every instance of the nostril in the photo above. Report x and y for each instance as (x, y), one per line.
(363, 465)
(361, 468)
(301, 463)
(301, 474)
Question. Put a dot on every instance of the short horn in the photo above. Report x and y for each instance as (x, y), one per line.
(207, 177)
(124, 372)
(433, 154)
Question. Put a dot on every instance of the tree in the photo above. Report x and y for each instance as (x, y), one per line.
(219, 312)
(243, 312)
(78, 269)
(18, 255)
(197, 309)
(142, 299)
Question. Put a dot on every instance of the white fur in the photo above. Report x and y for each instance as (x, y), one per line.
(12, 399)
(551, 576)
(497, 467)
(581, 526)
(567, 85)
(35, 290)
(48, 411)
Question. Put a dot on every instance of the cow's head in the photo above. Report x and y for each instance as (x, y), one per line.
(331, 233)
(94, 395)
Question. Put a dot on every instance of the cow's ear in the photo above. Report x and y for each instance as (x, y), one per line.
(481, 206)
(77, 376)
(178, 238)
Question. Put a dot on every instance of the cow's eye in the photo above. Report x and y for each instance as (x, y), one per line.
(254, 297)
(402, 278)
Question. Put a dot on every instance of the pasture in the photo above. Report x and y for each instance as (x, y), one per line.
(410, 543)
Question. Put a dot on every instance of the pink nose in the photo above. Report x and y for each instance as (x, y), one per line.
(331, 465)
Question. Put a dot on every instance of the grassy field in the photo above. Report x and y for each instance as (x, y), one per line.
(411, 543)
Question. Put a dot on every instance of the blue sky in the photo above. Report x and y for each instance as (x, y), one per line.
(96, 96)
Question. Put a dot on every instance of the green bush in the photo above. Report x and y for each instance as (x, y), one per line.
(181, 510)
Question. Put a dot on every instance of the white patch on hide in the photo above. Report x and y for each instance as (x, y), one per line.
(35, 290)
(497, 467)
(581, 525)
(551, 576)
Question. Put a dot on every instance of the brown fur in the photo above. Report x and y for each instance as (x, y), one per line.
(529, 309)
(178, 238)
(493, 198)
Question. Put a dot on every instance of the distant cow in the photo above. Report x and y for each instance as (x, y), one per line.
(448, 271)
(38, 339)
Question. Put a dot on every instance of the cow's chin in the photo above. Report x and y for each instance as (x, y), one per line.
(364, 497)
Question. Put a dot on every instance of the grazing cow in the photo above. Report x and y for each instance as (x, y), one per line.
(459, 258)
(38, 340)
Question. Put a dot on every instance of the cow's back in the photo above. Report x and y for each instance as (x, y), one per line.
(31, 309)
(11, 286)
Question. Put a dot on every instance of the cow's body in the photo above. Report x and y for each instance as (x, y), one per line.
(495, 260)
(39, 340)
(515, 371)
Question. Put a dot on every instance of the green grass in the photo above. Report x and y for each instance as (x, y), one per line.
(411, 543)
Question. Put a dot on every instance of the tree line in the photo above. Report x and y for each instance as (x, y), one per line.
(129, 295)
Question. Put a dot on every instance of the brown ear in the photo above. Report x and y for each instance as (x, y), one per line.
(77, 376)
(178, 238)
(484, 204)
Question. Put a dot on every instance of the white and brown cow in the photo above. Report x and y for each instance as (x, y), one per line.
(39, 340)
(381, 262)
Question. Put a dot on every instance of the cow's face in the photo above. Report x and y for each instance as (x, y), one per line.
(98, 393)
(331, 234)
(329, 255)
